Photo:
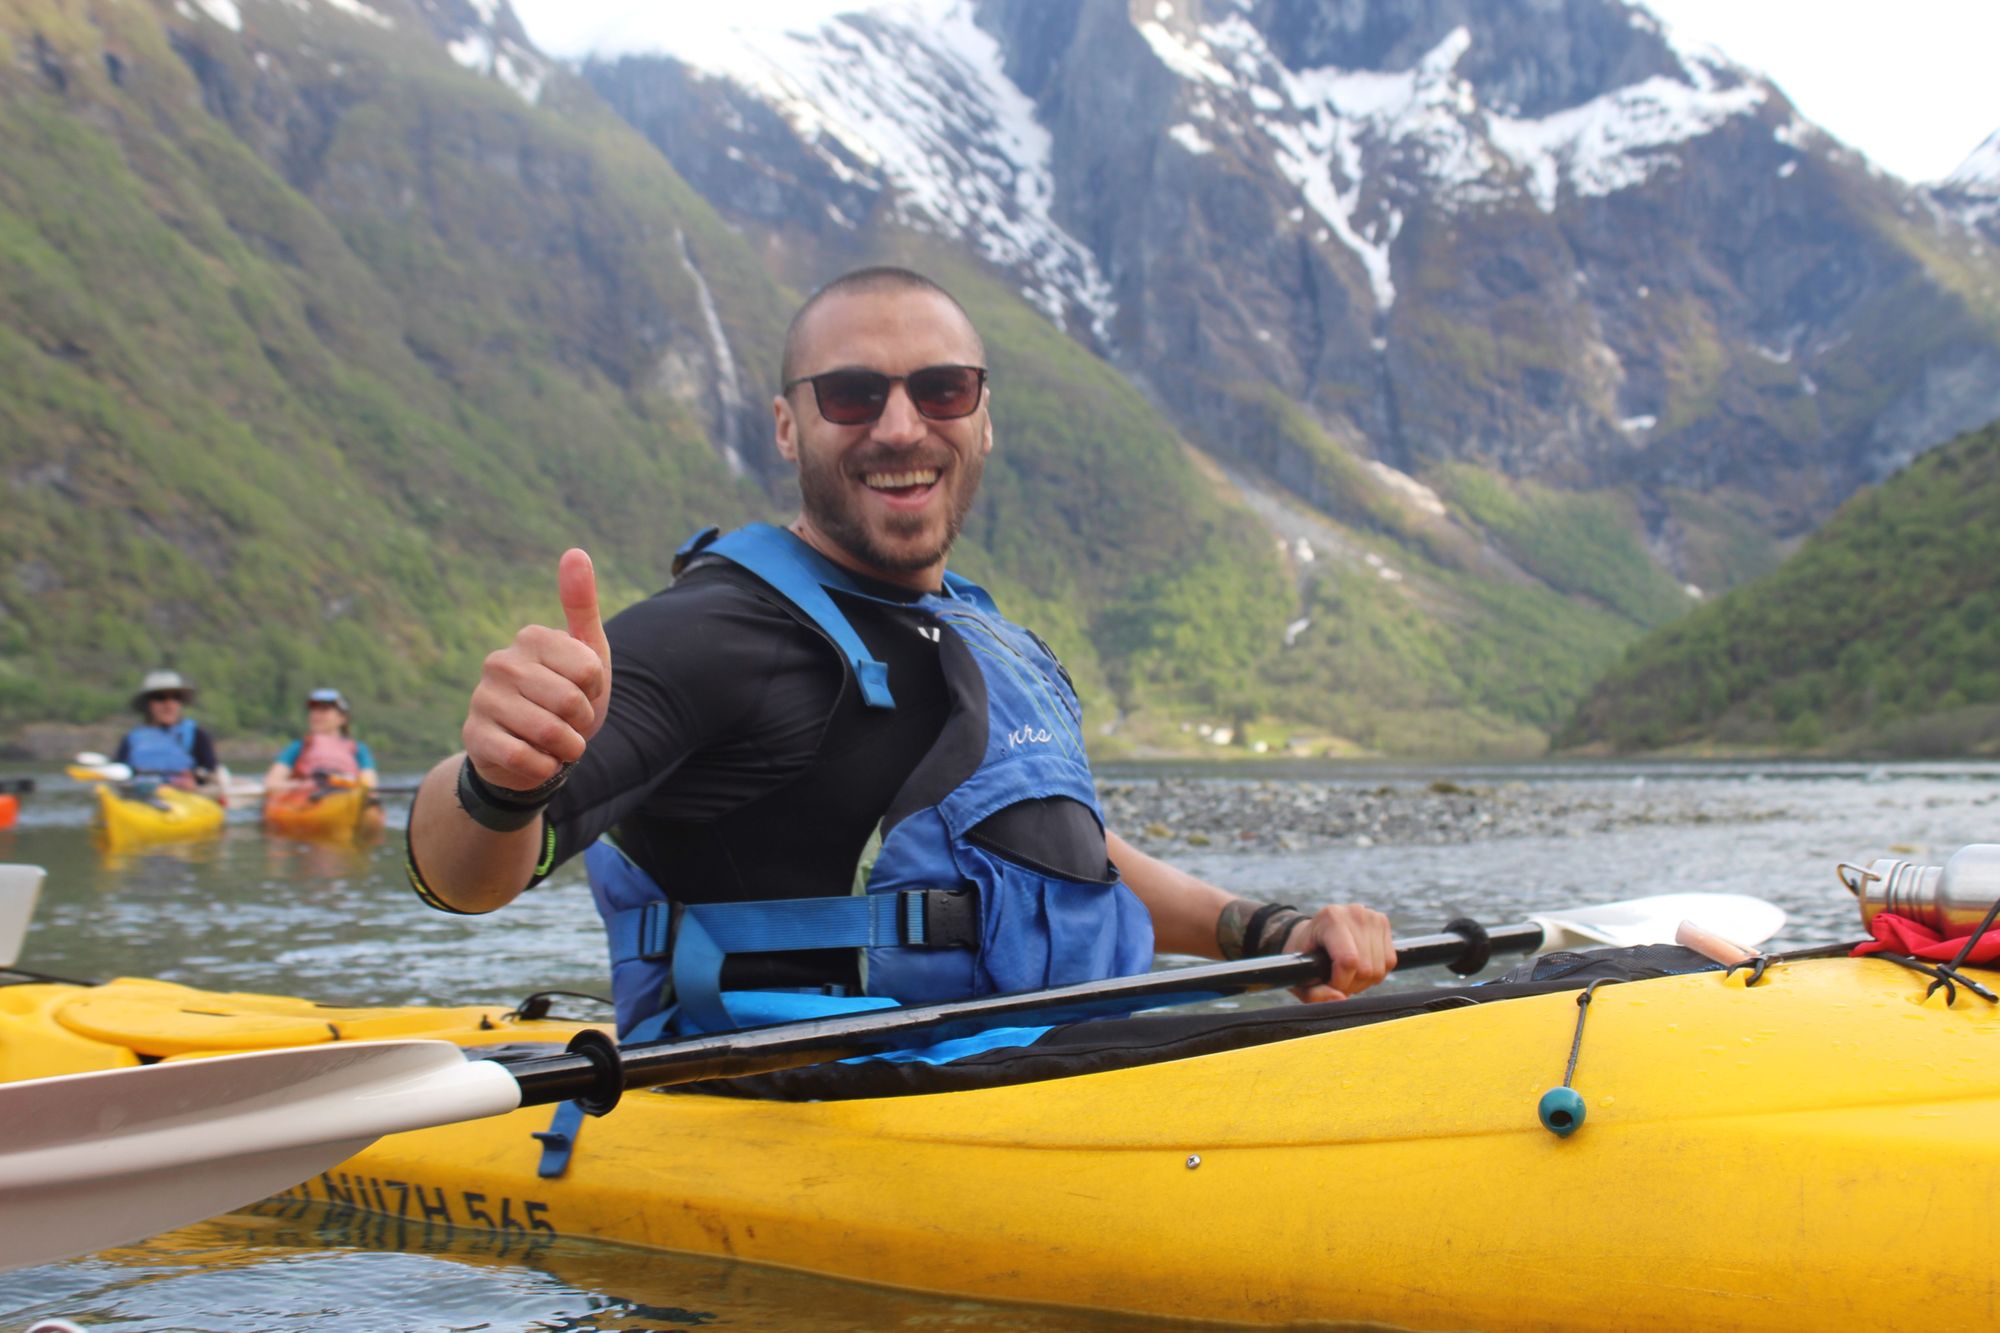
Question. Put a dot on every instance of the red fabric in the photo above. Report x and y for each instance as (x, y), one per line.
(1899, 934)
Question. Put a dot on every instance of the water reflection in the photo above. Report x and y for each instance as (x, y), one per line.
(287, 1267)
(147, 861)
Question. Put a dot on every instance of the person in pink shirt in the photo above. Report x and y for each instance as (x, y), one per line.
(327, 750)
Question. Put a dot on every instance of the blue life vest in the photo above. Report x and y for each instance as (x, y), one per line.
(151, 749)
(942, 916)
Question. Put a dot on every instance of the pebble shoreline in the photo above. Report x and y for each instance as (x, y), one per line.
(1167, 813)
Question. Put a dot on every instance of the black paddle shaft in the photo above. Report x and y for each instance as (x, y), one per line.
(595, 1069)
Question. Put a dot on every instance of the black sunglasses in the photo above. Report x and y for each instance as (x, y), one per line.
(857, 397)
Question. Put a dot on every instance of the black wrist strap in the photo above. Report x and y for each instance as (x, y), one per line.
(499, 808)
(1253, 930)
(1269, 934)
(1269, 927)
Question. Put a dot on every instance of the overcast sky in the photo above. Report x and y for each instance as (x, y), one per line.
(1914, 84)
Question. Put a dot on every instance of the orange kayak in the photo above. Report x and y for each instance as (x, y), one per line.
(324, 813)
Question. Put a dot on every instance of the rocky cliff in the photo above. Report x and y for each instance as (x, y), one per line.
(1367, 374)
(325, 325)
(1541, 236)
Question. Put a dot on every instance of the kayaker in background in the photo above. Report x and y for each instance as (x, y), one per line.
(812, 710)
(327, 750)
(170, 745)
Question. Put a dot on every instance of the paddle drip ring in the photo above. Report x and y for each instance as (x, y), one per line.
(1478, 946)
(607, 1069)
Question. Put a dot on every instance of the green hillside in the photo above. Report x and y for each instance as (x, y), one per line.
(1474, 633)
(276, 435)
(1881, 632)
(316, 350)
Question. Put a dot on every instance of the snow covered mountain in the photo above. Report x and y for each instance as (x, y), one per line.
(1972, 192)
(902, 113)
(1491, 312)
(1543, 236)
(914, 99)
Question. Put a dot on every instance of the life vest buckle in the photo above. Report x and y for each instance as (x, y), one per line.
(950, 919)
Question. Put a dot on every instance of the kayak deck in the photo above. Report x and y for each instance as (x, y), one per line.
(334, 814)
(166, 814)
(1817, 1149)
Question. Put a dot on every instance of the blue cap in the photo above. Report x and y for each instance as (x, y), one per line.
(334, 697)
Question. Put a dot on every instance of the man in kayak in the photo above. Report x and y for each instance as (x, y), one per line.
(815, 711)
(169, 745)
(327, 750)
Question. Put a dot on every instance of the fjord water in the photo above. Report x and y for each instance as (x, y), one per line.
(247, 912)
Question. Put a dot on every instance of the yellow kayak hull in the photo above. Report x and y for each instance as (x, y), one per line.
(338, 814)
(1819, 1151)
(168, 814)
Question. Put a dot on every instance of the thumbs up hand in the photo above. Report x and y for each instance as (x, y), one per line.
(576, 585)
(541, 698)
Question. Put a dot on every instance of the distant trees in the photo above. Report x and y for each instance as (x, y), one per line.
(1889, 614)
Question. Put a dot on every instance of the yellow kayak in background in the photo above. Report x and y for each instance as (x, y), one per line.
(1814, 1151)
(328, 813)
(163, 814)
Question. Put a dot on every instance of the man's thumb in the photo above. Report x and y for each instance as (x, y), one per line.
(576, 582)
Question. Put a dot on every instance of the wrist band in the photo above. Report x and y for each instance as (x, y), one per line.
(1275, 932)
(500, 808)
(1253, 930)
(509, 798)
(1247, 928)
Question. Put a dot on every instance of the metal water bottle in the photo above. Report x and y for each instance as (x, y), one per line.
(1951, 899)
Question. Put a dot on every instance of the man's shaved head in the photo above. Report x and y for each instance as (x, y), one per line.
(882, 277)
(887, 493)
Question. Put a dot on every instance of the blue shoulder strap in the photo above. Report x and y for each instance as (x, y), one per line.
(965, 590)
(183, 733)
(801, 576)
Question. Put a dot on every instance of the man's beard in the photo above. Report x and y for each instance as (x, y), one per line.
(837, 515)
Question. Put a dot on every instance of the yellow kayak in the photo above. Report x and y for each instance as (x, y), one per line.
(163, 814)
(1815, 1151)
(329, 813)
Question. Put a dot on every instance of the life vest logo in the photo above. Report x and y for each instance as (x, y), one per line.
(1028, 736)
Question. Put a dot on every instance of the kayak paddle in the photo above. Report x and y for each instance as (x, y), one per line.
(100, 1159)
(91, 766)
(1654, 920)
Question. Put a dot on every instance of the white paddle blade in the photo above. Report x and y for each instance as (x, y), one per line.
(1734, 916)
(92, 759)
(20, 886)
(100, 772)
(101, 1159)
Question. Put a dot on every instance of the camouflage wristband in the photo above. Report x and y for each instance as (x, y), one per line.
(1248, 929)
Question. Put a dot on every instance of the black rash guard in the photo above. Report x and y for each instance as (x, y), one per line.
(737, 760)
